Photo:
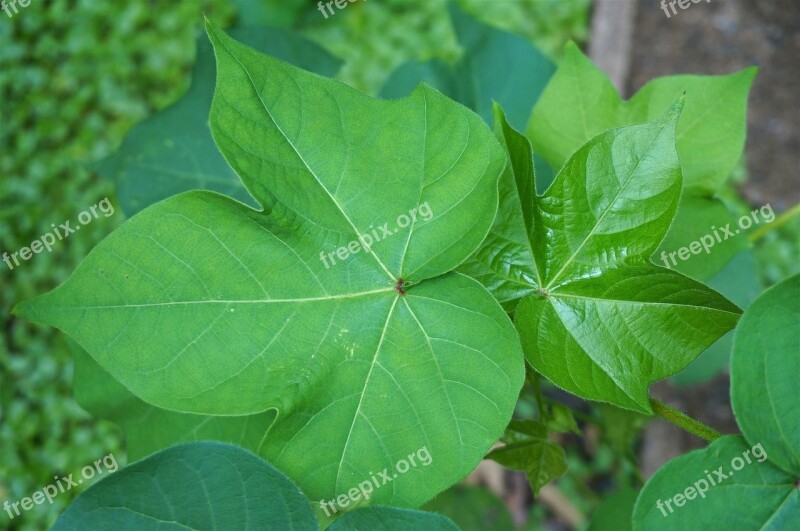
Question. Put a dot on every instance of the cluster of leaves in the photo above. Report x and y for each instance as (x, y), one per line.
(204, 318)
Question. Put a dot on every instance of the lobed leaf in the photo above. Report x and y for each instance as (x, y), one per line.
(202, 305)
(596, 317)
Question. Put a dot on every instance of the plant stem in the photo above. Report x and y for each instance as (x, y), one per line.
(777, 222)
(685, 422)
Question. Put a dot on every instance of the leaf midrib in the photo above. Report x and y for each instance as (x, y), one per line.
(608, 209)
(238, 301)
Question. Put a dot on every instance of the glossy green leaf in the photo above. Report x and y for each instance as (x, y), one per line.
(149, 428)
(757, 496)
(202, 305)
(765, 371)
(600, 320)
(192, 486)
(391, 519)
(738, 281)
(527, 448)
(472, 508)
(580, 102)
(173, 152)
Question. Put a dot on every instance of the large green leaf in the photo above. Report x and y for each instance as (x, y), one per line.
(192, 486)
(580, 102)
(495, 67)
(392, 519)
(172, 151)
(149, 428)
(202, 305)
(757, 496)
(765, 371)
(599, 319)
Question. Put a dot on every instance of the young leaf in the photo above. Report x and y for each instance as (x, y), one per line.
(704, 490)
(580, 102)
(192, 486)
(173, 152)
(202, 305)
(392, 519)
(600, 320)
(765, 371)
(527, 448)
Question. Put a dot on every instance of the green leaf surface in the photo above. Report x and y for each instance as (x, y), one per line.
(528, 449)
(599, 319)
(202, 305)
(472, 508)
(696, 245)
(580, 102)
(765, 371)
(192, 486)
(149, 428)
(758, 496)
(173, 152)
(739, 282)
(391, 519)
